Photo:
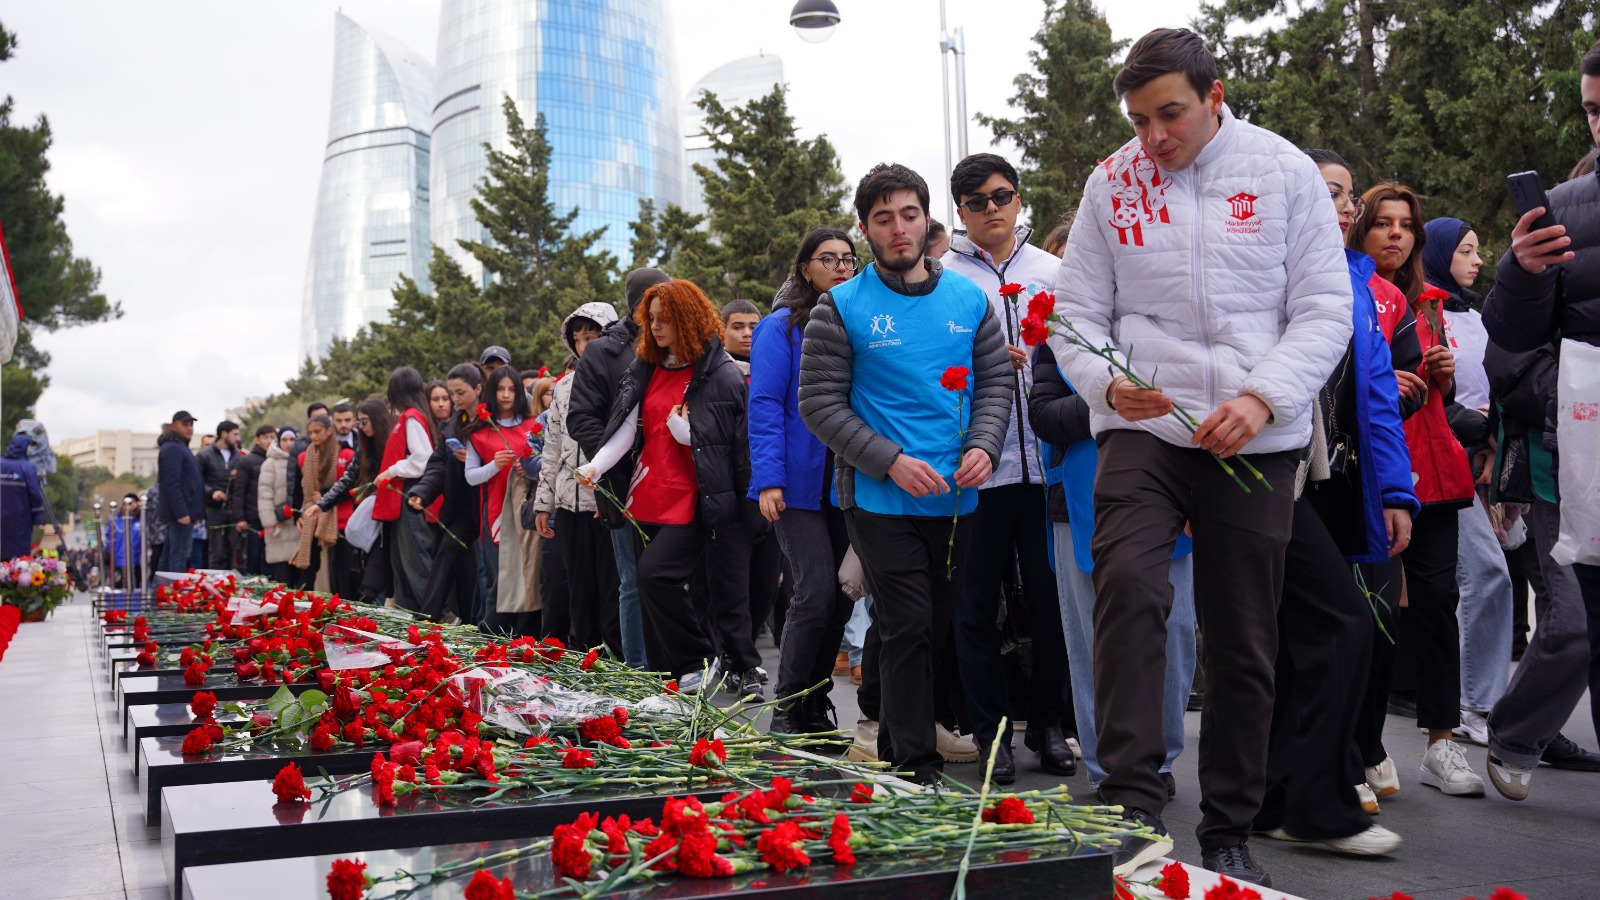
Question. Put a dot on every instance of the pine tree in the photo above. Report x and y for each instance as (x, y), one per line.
(1069, 117)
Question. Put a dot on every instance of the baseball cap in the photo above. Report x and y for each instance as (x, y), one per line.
(182, 415)
(496, 352)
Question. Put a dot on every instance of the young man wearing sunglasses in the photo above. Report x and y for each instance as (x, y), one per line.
(1011, 521)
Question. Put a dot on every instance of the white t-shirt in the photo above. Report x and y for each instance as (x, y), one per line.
(1468, 341)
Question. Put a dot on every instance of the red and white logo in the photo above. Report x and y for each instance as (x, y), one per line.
(1242, 214)
(1138, 195)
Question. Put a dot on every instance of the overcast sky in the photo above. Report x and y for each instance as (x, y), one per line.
(189, 137)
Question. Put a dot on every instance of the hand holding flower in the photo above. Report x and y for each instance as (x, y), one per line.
(1233, 425)
(1136, 404)
(975, 469)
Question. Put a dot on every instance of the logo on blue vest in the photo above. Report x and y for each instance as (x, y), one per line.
(958, 329)
(882, 325)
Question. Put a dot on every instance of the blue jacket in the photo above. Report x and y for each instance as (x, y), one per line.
(1385, 461)
(135, 539)
(183, 490)
(783, 451)
(21, 500)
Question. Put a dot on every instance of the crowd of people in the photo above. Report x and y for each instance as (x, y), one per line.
(1317, 483)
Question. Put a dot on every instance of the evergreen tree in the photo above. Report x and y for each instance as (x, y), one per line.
(1069, 117)
(56, 288)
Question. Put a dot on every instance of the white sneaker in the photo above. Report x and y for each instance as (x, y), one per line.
(1369, 800)
(1474, 727)
(864, 748)
(951, 746)
(701, 678)
(1513, 782)
(1375, 841)
(1445, 767)
(1383, 778)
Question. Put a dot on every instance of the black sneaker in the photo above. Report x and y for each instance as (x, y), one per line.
(747, 685)
(1236, 863)
(1564, 753)
(1134, 852)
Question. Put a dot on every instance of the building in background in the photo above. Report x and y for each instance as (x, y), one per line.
(734, 84)
(371, 221)
(603, 73)
(119, 452)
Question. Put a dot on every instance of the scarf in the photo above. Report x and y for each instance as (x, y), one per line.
(316, 476)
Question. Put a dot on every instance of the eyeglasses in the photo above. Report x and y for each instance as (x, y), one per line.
(1340, 197)
(831, 262)
(363, 421)
(1001, 198)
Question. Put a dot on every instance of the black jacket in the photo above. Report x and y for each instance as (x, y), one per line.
(448, 476)
(1059, 415)
(340, 491)
(297, 497)
(718, 432)
(246, 477)
(183, 490)
(218, 475)
(1524, 311)
(595, 385)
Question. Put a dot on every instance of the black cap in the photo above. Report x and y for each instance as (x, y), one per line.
(182, 415)
(497, 352)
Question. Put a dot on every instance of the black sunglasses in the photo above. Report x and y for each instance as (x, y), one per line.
(1002, 198)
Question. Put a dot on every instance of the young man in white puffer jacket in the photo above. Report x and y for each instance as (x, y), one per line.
(1209, 249)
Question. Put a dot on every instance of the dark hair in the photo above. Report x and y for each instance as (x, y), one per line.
(936, 229)
(1584, 167)
(692, 314)
(1325, 157)
(376, 411)
(798, 294)
(266, 429)
(1055, 243)
(322, 419)
(972, 172)
(884, 179)
(519, 399)
(1408, 278)
(735, 307)
(312, 409)
(405, 392)
(342, 407)
(570, 363)
(468, 372)
(1590, 64)
(528, 373)
(225, 426)
(1163, 51)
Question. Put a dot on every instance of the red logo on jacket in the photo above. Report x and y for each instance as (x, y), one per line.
(1242, 218)
(1138, 195)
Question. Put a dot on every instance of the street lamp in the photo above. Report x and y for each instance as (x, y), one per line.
(814, 20)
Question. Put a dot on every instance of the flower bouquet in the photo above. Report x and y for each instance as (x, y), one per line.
(34, 584)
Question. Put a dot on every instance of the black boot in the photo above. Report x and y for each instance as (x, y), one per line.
(787, 718)
(1050, 743)
(1005, 768)
(817, 714)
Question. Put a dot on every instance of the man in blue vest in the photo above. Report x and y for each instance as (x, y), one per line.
(913, 439)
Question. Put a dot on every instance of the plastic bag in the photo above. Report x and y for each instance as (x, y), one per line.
(352, 648)
(527, 704)
(361, 530)
(1578, 436)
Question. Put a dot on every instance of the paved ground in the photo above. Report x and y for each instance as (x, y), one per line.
(71, 825)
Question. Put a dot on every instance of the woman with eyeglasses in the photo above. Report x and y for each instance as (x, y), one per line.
(453, 583)
(791, 477)
(1389, 229)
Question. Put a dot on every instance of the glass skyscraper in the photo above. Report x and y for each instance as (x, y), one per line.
(604, 74)
(735, 84)
(372, 205)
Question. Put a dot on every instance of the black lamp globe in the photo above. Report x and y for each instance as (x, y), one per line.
(814, 20)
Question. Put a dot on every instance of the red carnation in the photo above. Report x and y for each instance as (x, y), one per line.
(603, 729)
(347, 879)
(1010, 811)
(620, 714)
(589, 659)
(1042, 306)
(569, 849)
(115, 616)
(408, 753)
(708, 754)
(1505, 893)
(779, 846)
(954, 378)
(1034, 331)
(1010, 290)
(486, 887)
(322, 738)
(144, 658)
(483, 412)
(290, 785)
(355, 733)
(195, 674)
(536, 430)
(1226, 889)
(697, 857)
(288, 512)
(670, 687)
(861, 793)
(544, 371)
(839, 841)
(197, 741)
(1174, 881)
(1435, 295)
(203, 704)
(245, 671)
(577, 758)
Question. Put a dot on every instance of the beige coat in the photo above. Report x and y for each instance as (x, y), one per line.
(272, 495)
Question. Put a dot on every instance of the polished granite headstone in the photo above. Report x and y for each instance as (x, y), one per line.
(165, 720)
(205, 824)
(129, 668)
(172, 689)
(165, 766)
(1057, 873)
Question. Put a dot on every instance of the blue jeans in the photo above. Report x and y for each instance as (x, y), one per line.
(855, 630)
(1076, 588)
(1484, 612)
(632, 619)
(176, 552)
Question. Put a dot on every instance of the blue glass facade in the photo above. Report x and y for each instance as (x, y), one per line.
(371, 222)
(603, 73)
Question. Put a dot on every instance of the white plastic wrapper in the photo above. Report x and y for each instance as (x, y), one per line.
(352, 648)
(527, 704)
(1578, 440)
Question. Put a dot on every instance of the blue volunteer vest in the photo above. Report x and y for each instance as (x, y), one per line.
(902, 345)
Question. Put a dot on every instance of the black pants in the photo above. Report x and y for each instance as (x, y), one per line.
(1383, 579)
(254, 552)
(815, 543)
(346, 566)
(221, 541)
(1324, 645)
(674, 640)
(766, 570)
(1011, 524)
(1432, 633)
(590, 569)
(1144, 492)
(555, 591)
(280, 572)
(452, 583)
(913, 599)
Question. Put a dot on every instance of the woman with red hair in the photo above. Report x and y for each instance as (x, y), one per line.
(680, 408)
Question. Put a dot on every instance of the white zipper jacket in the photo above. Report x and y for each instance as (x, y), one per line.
(1035, 270)
(1223, 279)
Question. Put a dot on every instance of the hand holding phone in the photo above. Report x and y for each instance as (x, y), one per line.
(454, 444)
(1537, 241)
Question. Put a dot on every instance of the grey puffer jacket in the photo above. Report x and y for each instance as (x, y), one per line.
(558, 488)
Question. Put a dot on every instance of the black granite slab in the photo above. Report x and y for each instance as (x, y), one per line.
(207, 824)
(165, 767)
(1054, 873)
(164, 720)
(172, 689)
(129, 668)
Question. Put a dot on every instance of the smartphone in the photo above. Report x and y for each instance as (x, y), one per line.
(453, 444)
(1527, 191)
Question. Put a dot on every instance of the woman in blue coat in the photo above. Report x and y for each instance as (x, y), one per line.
(791, 475)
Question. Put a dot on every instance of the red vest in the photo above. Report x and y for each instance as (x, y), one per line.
(488, 440)
(386, 508)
